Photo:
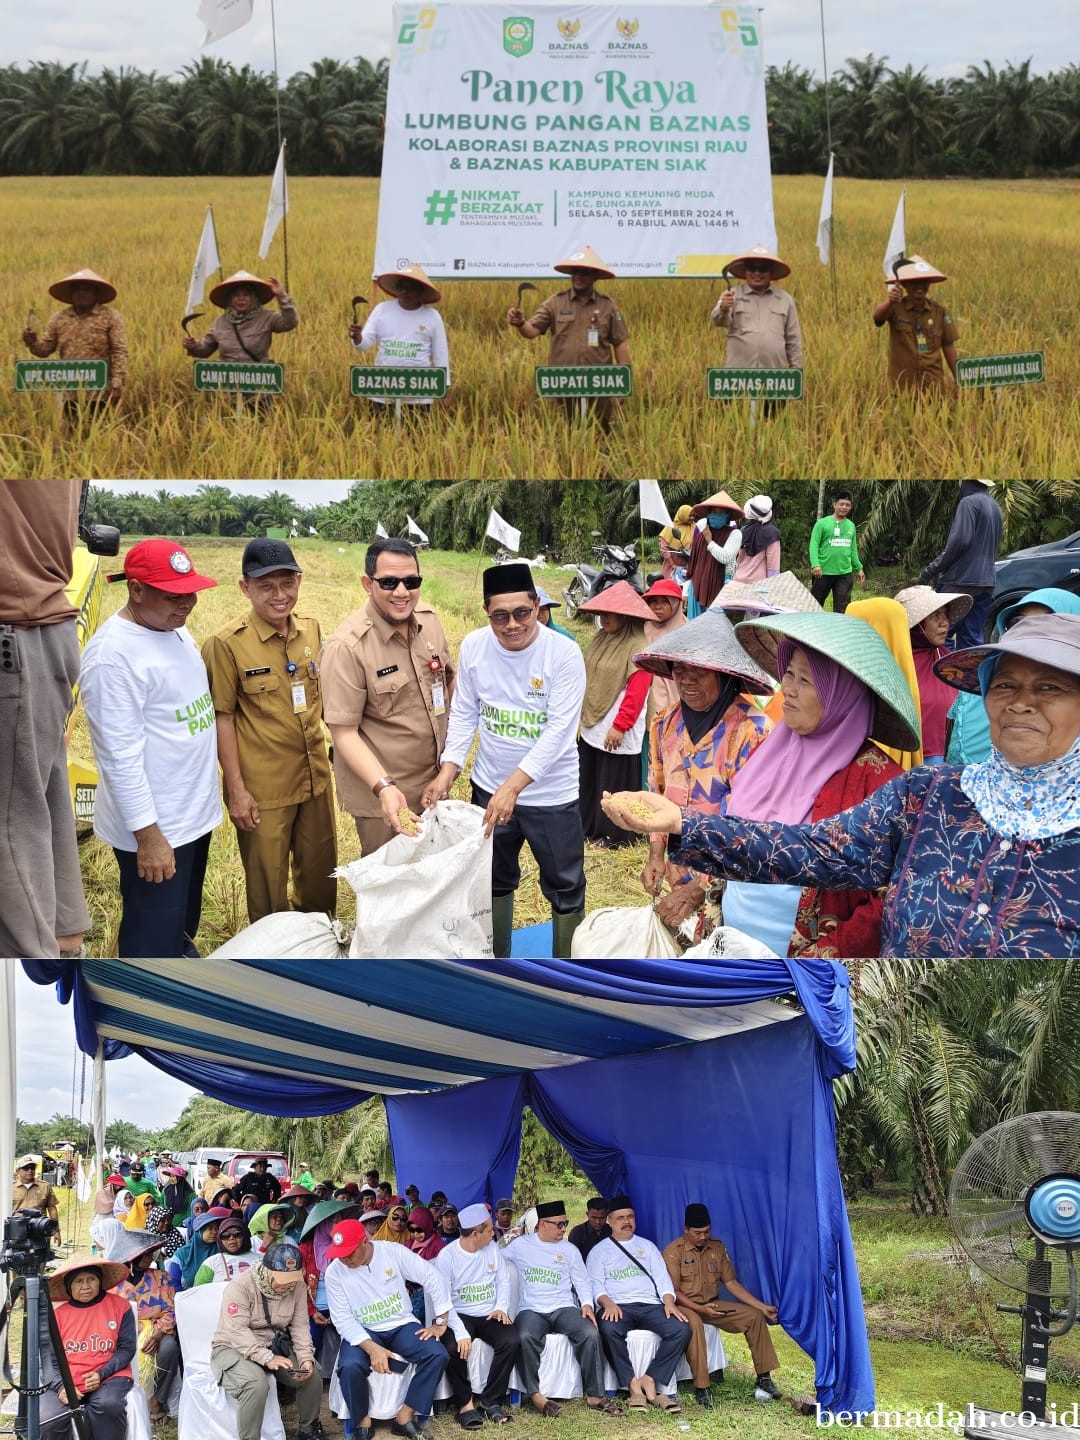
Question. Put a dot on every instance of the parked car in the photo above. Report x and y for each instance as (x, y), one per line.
(241, 1161)
(1057, 563)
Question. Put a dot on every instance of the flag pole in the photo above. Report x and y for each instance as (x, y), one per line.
(828, 142)
(281, 142)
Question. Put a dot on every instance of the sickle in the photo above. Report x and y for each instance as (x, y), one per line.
(727, 277)
(186, 321)
(525, 285)
(357, 300)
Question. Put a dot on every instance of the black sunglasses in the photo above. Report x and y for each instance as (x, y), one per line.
(391, 582)
(503, 617)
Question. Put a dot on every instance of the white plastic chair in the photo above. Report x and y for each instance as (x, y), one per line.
(207, 1412)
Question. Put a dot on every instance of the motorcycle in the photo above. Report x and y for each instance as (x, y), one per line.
(616, 562)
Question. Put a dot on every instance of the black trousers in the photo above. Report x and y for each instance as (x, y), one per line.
(557, 842)
(506, 1344)
(838, 585)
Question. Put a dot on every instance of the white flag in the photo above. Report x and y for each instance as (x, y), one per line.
(499, 530)
(222, 17)
(207, 261)
(824, 224)
(311, 530)
(895, 248)
(414, 529)
(382, 533)
(278, 207)
(651, 503)
(84, 1189)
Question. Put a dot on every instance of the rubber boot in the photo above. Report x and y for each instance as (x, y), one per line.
(502, 925)
(563, 925)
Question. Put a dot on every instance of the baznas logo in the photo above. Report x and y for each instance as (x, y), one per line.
(517, 35)
(569, 28)
(627, 28)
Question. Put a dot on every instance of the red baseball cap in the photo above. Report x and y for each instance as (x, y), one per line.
(669, 588)
(346, 1236)
(163, 565)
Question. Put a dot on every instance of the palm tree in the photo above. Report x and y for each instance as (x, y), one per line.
(1008, 112)
(908, 117)
(40, 116)
(213, 506)
(858, 89)
(232, 120)
(122, 113)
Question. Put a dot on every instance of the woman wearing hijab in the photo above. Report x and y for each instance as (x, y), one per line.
(269, 1224)
(160, 1222)
(981, 860)
(889, 619)
(759, 557)
(613, 717)
(969, 735)
(184, 1265)
(235, 1254)
(675, 543)
(97, 1330)
(178, 1194)
(422, 1235)
(716, 545)
(697, 745)
(155, 1299)
(665, 599)
(199, 1206)
(315, 1239)
(395, 1227)
(931, 614)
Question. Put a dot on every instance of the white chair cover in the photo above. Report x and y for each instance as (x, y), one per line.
(206, 1411)
(386, 1393)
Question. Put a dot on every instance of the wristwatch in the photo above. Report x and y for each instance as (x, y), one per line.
(439, 1320)
(380, 785)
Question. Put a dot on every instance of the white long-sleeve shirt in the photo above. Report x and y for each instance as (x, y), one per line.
(369, 1299)
(614, 1275)
(478, 1283)
(415, 338)
(526, 704)
(549, 1274)
(147, 699)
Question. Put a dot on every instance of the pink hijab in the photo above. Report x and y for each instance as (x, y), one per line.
(786, 772)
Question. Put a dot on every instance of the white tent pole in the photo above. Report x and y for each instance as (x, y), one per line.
(8, 1086)
(97, 1111)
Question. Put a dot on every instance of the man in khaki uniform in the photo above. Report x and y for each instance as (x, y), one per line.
(586, 327)
(30, 1193)
(268, 711)
(761, 321)
(920, 330)
(698, 1266)
(387, 678)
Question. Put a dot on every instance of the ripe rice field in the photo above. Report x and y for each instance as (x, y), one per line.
(1009, 247)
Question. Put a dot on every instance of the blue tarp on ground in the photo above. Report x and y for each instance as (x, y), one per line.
(664, 1078)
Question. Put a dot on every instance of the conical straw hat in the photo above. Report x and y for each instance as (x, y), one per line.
(737, 267)
(779, 594)
(62, 289)
(709, 642)
(720, 501)
(585, 259)
(919, 601)
(916, 268)
(219, 295)
(619, 599)
(388, 281)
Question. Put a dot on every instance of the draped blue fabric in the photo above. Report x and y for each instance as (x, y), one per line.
(275, 1095)
(465, 1142)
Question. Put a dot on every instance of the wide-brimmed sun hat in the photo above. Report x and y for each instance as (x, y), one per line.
(854, 645)
(390, 280)
(220, 294)
(130, 1244)
(544, 600)
(62, 289)
(737, 267)
(111, 1272)
(776, 595)
(915, 268)
(619, 599)
(919, 601)
(720, 501)
(585, 258)
(325, 1210)
(1048, 639)
(710, 643)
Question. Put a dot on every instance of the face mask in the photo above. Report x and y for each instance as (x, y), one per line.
(718, 522)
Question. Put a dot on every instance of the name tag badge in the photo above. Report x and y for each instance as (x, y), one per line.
(438, 698)
(299, 697)
(594, 335)
(262, 670)
(922, 345)
(386, 670)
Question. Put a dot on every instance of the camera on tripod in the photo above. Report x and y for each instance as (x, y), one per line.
(27, 1242)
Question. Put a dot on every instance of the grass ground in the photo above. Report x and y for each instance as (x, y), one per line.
(1008, 247)
(929, 1343)
(331, 590)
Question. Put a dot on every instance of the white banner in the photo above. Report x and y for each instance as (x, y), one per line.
(499, 530)
(824, 224)
(222, 17)
(514, 139)
(651, 502)
(278, 205)
(894, 248)
(207, 261)
(414, 529)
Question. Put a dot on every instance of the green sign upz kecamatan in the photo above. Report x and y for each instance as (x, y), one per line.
(1021, 369)
(586, 382)
(737, 384)
(398, 382)
(61, 374)
(248, 379)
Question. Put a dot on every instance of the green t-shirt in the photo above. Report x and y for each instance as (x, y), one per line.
(833, 547)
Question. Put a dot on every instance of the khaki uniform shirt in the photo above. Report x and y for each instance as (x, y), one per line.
(378, 677)
(763, 330)
(38, 1196)
(255, 334)
(283, 754)
(570, 317)
(916, 341)
(212, 1184)
(699, 1273)
(97, 335)
(242, 1324)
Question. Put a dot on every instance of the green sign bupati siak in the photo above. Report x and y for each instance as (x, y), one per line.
(61, 374)
(583, 382)
(736, 384)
